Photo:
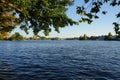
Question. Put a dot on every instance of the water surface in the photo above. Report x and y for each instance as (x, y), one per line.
(59, 60)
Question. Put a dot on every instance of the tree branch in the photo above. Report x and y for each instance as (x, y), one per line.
(11, 5)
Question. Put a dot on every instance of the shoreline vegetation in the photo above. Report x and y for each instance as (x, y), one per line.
(18, 37)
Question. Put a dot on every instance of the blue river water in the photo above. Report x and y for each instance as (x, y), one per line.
(60, 60)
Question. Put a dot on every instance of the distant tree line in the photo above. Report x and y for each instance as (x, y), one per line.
(7, 36)
(104, 37)
(17, 36)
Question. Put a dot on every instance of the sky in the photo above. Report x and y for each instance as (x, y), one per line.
(101, 26)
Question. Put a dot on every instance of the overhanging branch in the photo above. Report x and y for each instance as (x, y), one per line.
(12, 6)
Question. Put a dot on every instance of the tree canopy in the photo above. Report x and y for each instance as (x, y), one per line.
(36, 14)
(45, 14)
(16, 36)
(89, 10)
(109, 36)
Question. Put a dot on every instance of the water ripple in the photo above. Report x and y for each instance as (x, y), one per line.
(60, 60)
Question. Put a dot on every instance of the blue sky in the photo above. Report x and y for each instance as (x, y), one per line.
(101, 26)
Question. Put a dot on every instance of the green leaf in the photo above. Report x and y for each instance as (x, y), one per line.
(106, 0)
(96, 17)
(104, 12)
(118, 15)
(86, 1)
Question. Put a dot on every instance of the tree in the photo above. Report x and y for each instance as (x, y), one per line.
(109, 37)
(84, 37)
(16, 36)
(4, 35)
(1, 37)
(116, 29)
(36, 14)
(89, 11)
(93, 37)
(45, 14)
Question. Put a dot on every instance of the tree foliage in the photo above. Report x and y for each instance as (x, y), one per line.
(84, 37)
(91, 8)
(109, 37)
(4, 36)
(42, 15)
(16, 36)
(116, 29)
(36, 14)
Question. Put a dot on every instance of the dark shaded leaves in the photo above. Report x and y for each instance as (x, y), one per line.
(96, 17)
(104, 12)
(113, 3)
(86, 1)
(118, 15)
